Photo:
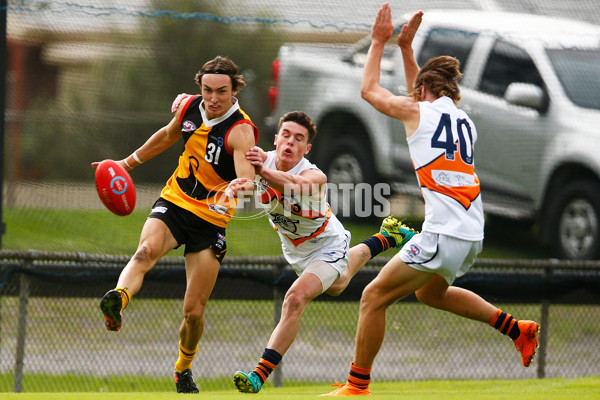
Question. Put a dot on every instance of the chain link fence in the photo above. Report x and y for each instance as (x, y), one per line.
(52, 335)
(88, 80)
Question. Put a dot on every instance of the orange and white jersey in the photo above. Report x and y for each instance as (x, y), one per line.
(441, 150)
(305, 224)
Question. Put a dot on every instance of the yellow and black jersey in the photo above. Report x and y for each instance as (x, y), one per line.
(206, 165)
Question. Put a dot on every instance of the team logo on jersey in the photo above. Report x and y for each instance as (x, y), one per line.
(286, 223)
(219, 209)
(188, 126)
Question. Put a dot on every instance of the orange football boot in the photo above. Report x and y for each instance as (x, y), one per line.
(527, 342)
(347, 390)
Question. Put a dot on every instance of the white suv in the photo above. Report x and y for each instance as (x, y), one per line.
(531, 84)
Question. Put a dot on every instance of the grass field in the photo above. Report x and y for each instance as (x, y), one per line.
(546, 389)
(100, 232)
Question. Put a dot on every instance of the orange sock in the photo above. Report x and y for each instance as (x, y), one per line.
(359, 377)
(506, 324)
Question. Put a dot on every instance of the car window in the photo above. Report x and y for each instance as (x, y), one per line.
(359, 57)
(506, 64)
(447, 42)
(578, 71)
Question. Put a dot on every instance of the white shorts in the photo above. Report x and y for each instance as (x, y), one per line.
(440, 254)
(334, 250)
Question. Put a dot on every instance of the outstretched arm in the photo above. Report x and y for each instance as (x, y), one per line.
(308, 182)
(381, 32)
(400, 107)
(405, 39)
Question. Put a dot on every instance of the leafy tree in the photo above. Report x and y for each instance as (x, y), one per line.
(109, 107)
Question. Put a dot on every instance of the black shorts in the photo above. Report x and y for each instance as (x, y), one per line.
(189, 229)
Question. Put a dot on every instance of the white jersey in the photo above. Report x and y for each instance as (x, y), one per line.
(441, 150)
(307, 228)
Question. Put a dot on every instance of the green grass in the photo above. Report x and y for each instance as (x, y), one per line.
(130, 384)
(93, 231)
(100, 232)
(547, 389)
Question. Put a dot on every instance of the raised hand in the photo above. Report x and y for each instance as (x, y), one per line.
(407, 34)
(383, 29)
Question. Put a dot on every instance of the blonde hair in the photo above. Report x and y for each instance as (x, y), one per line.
(440, 76)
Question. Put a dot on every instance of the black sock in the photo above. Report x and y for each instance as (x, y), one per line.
(379, 243)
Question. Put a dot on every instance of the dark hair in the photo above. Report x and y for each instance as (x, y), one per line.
(440, 76)
(301, 118)
(224, 66)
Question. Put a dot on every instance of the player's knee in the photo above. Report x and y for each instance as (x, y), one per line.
(422, 297)
(428, 298)
(369, 300)
(335, 291)
(294, 302)
(145, 254)
(194, 318)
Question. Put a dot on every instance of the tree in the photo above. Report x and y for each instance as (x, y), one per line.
(109, 107)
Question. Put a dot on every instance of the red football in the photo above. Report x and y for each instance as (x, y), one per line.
(115, 187)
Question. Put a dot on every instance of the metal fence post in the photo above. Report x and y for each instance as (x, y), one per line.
(277, 304)
(543, 336)
(21, 329)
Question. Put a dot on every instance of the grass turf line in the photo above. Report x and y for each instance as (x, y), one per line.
(547, 389)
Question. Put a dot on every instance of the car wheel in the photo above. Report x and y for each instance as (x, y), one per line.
(351, 181)
(576, 219)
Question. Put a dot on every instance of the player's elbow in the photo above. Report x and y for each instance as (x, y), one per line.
(368, 94)
(365, 93)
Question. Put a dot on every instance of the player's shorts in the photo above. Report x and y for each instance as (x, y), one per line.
(333, 250)
(444, 255)
(189, 229)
